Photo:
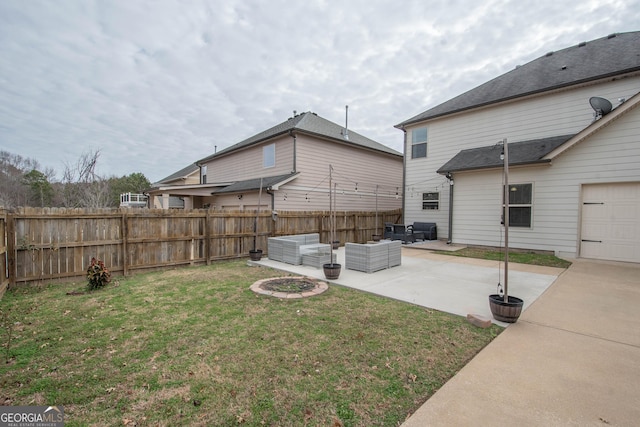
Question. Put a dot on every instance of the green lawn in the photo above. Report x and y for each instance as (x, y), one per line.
(195, 346)
(522, 257)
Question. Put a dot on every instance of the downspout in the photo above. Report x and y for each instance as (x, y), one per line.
(293, 135)
(404, 170)
(273, 211)
(273, 198)
(450, 238)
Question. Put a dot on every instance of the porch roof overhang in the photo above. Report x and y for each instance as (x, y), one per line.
(253, 184)
(488, 157)
(538, 151)
(188, 190)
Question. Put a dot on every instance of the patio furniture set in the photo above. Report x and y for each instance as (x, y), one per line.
(306, 249)
(411, 233)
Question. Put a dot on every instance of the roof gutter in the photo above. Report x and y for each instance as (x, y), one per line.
(479, 168)
(575, 83)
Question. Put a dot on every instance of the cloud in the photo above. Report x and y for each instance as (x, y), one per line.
(157, 85)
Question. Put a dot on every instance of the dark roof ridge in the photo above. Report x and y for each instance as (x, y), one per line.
(608, 56)
(308, 122)
(182, 173)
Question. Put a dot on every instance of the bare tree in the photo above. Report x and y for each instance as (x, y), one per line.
(82, 186)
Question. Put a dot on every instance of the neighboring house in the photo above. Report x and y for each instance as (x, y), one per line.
(574, 172)
(293, 161)
(162, 198)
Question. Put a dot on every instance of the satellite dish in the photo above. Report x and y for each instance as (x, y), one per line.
(601, 106)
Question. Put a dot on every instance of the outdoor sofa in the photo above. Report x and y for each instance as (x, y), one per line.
(372, 257)
(424, 230)
(411, 233)
(289, 249)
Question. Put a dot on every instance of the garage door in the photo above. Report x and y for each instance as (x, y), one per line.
(611, 222)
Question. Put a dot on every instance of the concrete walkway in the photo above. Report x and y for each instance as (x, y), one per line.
(572, 359)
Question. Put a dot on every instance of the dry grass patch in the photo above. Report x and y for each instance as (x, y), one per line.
(196, 347)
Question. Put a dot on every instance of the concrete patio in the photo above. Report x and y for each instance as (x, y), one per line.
(455, 285)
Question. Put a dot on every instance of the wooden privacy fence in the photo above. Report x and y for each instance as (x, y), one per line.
(56, 243)
(4, 268)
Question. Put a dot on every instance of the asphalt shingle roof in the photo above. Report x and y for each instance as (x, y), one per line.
(605, 57)
(184, 172)
(254, 184)
(309, 123)
(520, 153)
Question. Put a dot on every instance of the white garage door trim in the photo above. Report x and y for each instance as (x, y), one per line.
(610, 222)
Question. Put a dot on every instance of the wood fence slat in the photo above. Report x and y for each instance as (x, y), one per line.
(57, 243)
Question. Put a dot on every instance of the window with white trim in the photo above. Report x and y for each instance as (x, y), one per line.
(269, 156)
(430, 201)
(419, 143)
(203, 174)
(520, 205)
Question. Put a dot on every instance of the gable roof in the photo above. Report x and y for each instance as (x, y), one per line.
(608, 56)
(268, 182)
(542, 150)
(595, 126)
(182, 173)
(520, 153)
(311, 124)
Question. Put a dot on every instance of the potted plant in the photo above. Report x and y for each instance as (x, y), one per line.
(256, 254)
(331, 269)
(505, 308)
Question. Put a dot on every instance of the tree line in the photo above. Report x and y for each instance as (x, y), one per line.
(24, 183)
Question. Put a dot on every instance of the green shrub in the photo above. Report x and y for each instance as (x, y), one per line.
(97, 274)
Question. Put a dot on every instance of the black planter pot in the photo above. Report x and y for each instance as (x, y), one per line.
(335, 244)
(376, 237)
(255, 254)
(332, 270)
(505, 311)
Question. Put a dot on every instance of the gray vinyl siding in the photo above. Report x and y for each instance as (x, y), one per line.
(562, 112)
(612, 155)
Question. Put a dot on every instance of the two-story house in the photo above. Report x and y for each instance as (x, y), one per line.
(572, 125)
(297, 162)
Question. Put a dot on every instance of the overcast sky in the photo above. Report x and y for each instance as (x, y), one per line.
(156, 85)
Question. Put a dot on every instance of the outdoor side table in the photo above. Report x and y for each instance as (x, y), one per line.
(316, 255)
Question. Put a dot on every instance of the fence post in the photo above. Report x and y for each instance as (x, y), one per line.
(11, 249)
(207, 237)
(125, 249)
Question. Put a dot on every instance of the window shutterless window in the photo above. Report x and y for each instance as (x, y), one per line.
(520, 205)
(203, 174)
(419, 143)
(430, 201)
(269, 156)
